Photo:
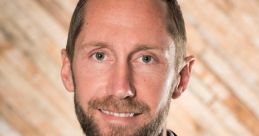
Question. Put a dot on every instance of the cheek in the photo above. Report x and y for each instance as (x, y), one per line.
(150, 86)
(90, 81)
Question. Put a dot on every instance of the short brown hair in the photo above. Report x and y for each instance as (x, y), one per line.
(176, 28)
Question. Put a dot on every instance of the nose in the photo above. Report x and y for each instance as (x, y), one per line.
(121, 85)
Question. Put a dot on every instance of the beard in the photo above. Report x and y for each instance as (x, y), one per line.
(89, 125)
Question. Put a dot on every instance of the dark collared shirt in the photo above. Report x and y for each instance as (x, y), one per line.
(170, 133)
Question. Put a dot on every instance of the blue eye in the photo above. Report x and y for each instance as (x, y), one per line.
(147, 59)
(99, 56)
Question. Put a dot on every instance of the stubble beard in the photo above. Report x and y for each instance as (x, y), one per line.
(90, 127)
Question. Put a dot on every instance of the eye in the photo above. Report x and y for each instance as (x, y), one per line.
(146, 58)
(100, 56)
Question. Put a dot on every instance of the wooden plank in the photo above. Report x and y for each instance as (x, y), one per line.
(222, 99)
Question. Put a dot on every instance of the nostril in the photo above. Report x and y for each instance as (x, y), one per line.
(130, 93)
(124, 94)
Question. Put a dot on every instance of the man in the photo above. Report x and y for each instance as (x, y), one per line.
(125, 60)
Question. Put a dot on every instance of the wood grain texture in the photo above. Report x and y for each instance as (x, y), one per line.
(222, 99)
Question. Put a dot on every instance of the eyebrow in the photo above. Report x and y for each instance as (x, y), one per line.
(141, 47)
(85, 46)
(94, 44)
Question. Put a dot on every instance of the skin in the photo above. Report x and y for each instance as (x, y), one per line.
(125, 33)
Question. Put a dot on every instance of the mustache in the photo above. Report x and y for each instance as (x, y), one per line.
(110, 103)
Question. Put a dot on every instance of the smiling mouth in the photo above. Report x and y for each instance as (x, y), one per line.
(119, 114)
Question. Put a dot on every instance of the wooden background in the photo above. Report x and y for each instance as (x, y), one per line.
(223, 98)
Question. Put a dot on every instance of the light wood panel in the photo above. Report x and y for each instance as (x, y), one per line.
(222, 99)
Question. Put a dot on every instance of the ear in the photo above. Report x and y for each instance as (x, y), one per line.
(184, 77)
(66, 73)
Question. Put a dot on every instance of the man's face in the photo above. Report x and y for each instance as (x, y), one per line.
(123, 68)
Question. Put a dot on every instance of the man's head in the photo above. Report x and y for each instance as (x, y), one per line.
(125, 60)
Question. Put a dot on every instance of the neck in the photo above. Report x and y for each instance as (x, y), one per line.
(164, 133)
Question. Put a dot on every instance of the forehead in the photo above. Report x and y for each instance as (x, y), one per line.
(124, 9)
(127, 12)
(135, 19)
